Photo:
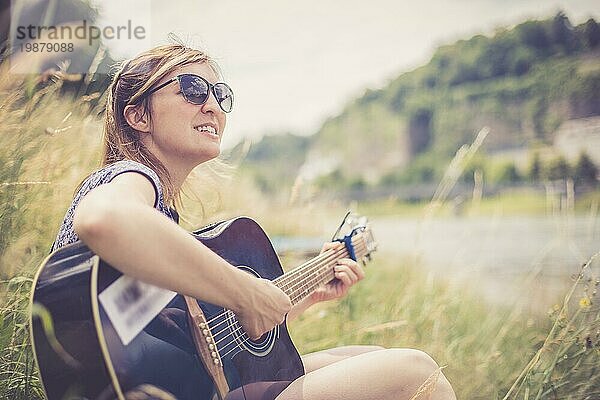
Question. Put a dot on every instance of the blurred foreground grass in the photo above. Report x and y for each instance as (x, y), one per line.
(485, 348)
(49, 143)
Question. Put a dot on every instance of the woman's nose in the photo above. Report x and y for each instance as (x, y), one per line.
(211, 104)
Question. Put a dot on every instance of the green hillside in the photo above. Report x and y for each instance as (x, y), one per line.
(522, 82)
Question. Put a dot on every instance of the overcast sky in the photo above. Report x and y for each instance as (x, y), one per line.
(293, 64)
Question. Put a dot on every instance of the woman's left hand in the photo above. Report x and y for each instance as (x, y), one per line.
(347, 273)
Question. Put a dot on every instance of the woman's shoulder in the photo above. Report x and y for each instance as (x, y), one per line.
(108, 172)
(103, 175)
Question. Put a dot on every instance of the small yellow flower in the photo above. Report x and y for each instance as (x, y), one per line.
(585, 302)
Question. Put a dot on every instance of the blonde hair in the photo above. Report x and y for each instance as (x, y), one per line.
(136, 77)
(120, 141)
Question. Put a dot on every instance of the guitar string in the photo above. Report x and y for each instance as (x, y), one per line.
(297, 270)
(291, 280)
(291, 274)
(323, 262)
(325, 254)
(300, 270)
(234, 331)
(331, 256)
(294, 288)
(316, 263)
(288, 278)
(244, 336)
(322, 256)
(292, 277)
(317, 278)
(294, 280)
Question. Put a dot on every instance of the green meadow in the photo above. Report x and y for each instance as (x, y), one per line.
(49, 142)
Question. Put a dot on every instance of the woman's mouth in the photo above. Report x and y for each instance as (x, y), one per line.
(207, 129)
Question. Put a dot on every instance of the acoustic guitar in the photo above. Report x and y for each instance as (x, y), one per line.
(99, 334)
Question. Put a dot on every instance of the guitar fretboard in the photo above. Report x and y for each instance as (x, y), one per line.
(301, 281)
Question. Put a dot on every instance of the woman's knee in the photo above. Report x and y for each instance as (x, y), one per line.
(423, 371)
(410, 358)
(320, 359)
(417, 358)
(361, 348)
(419, 369)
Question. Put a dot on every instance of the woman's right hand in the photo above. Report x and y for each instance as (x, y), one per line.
(266, 307)
(141, 242)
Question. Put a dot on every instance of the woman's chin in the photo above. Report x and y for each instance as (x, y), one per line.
(209, 155)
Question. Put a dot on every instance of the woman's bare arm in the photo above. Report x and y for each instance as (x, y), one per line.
(117, 221)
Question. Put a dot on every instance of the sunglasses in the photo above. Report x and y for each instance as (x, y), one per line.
(196, 90)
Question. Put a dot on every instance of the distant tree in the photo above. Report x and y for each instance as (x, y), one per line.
(535, 168)
(370, 96)
(539, 111)
(563, 34)
(419, 130)
(508, 173)
(591, 32)
(585, 171)
(357, 184)
(398, 99)
(430, 82)
(464, 73)
(390, 179)
(533, 34)
(479, 164)
(334, 179)
(497, 57)
(521, 65)
(426, 173)
(441, 61)
(557, 169)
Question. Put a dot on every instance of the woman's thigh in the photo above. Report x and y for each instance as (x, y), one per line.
(381, 374)
(320, 359)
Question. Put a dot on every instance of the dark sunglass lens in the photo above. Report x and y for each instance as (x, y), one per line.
(194, 89)
(224, 96)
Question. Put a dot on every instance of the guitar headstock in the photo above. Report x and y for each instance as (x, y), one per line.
(356, 232)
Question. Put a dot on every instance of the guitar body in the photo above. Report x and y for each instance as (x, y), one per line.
(91, 360)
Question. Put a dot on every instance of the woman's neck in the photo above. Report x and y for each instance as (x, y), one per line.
(177, 167)
(177, 173)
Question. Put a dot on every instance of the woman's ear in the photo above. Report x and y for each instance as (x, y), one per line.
(137, 118)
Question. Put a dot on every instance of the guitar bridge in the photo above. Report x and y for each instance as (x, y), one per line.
(205, 346)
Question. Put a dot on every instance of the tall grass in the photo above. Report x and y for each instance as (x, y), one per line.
(567, 365)
(44, 148)
(400, 306)
(490, 351)
(49, 142)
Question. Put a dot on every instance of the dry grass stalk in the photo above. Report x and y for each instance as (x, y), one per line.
(427, 387)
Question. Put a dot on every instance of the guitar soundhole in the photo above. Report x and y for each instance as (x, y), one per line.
(260, 347)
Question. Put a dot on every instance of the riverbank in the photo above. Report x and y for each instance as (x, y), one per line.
(517, 202)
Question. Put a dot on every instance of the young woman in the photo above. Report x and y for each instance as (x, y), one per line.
(165, 115)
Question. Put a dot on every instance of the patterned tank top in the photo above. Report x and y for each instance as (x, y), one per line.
(66, 235)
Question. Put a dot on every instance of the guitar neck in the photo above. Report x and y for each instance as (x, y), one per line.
(301, 281)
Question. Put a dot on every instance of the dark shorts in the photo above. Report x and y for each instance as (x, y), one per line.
(258, 391)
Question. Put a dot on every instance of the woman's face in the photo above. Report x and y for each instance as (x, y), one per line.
(178, 128)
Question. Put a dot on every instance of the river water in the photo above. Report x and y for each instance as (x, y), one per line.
(525, 260)
(518, 259)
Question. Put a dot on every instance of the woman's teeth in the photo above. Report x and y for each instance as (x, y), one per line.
(208, 129)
